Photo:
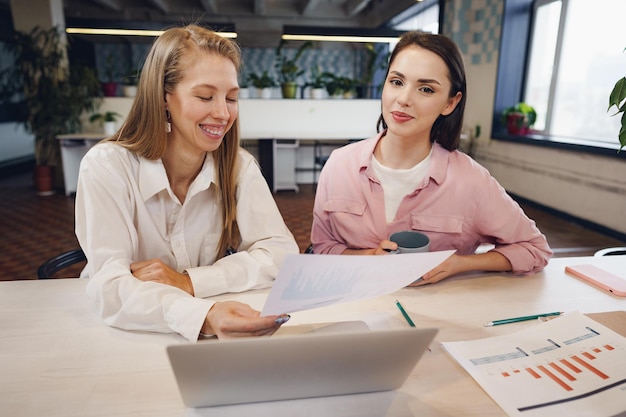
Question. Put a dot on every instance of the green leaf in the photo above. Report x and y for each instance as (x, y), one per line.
(618, 94)
(622, 132)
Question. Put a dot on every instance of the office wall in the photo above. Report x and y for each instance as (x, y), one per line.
(589, 187)
(15, 143)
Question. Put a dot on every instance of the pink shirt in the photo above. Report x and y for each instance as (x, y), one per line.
(458, 204)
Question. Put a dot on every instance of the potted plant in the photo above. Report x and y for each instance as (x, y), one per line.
(107, 119)
(618, 99)
(375, 61)
(347, 86)
(262, 83)
(109, 87)
(339, 86)
(129, 83)
(332, 84)
(288, 69)
(244, 91)
(317, 83)
(519, 118)
(53, 94)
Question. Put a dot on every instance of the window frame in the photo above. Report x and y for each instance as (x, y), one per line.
(513, 57)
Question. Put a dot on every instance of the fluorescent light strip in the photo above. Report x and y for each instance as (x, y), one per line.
(337, 38)
(131, 32)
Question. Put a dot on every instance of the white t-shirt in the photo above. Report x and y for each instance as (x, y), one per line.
(397, 183)
(127, 212)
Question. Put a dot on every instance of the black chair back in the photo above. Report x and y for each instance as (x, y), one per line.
(59, 262)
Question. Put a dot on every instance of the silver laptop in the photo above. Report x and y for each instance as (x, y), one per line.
(281, 367)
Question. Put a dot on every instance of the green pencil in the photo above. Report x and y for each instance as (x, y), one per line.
(404, 313)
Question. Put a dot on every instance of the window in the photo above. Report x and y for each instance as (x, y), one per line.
(425, 19)
(575, 58)
(423, 16)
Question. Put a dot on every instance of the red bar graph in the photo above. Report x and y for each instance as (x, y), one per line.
(566, 370)
(554, 378)
(562, 371)
(571, 366)
(590, 367)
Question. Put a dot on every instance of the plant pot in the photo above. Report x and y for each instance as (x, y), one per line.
(44, 179)
(244, 92)
(109, 89)
(109, 128)
(129, 90)
(516, 124)
(264, 92)
(317, 93)
(289, 90)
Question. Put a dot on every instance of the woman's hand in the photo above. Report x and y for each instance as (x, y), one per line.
(456, 264)
(384, 247)
(229, 319)
(156, 270)
(450, 266)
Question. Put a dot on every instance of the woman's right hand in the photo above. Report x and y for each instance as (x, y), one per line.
(384, 248)
(229, 319)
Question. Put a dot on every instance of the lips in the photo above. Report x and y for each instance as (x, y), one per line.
(213, 130)
(401, 117)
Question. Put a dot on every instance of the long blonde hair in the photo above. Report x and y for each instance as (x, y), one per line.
(144, 133)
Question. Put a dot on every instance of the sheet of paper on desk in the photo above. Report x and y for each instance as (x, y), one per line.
(311, 281)
(569, 366)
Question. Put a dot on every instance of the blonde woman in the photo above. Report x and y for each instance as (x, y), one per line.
(161, 203)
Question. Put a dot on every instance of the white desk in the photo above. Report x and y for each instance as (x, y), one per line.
(73, 147)
(58, 359)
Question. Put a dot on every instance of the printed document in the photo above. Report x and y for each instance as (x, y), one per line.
(568, 366)
(308, 281)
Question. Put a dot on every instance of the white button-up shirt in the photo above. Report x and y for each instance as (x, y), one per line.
(127, 212)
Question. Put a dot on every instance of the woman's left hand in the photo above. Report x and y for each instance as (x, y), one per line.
(448, 267)
(156, 270)
(455, 264)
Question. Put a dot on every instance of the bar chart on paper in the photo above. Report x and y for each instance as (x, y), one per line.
(571, 365)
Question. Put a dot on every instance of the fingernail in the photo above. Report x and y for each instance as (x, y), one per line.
(282, 319)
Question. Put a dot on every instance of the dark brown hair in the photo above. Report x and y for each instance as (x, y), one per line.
(447, 129)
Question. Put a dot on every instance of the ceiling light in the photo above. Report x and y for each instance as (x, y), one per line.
(131, 32)
(326, 34)
(336, 38)
(135, 28)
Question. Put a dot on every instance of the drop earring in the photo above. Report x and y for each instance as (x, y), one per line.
(168, 124)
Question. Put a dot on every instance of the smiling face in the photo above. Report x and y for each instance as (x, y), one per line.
(416, 93)
(203, 105)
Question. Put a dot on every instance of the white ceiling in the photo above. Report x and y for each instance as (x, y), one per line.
(258, 22)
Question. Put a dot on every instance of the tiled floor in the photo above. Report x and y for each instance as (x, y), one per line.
(36, 228)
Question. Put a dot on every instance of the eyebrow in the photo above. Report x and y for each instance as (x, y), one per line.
(211, 87)
(420, 80)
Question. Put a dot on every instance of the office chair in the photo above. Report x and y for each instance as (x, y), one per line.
(611, 251)
(59, 262)
(319, 159)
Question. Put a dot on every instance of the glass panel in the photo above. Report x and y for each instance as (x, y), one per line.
(427, 21)
(543, 49)
(591, 62)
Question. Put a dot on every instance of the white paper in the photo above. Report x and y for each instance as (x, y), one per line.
(568, 366)
(308, 281)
